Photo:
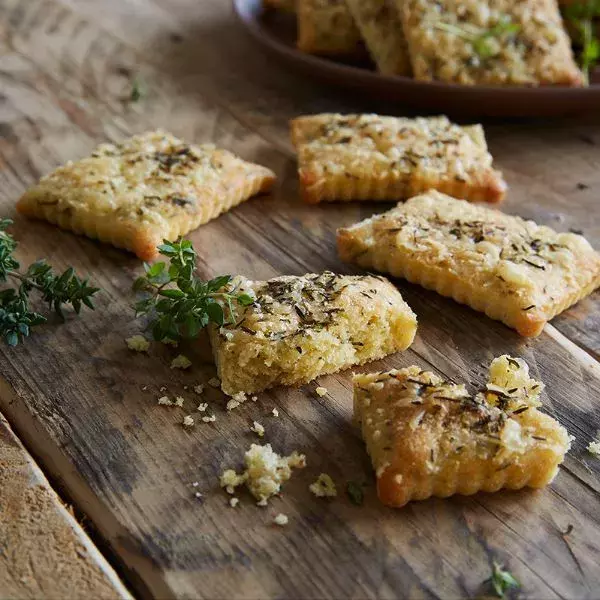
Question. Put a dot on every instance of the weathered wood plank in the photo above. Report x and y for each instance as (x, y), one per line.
(44, 552)
(76, 394)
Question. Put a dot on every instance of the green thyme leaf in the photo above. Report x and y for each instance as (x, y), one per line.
(502, 580)
(355, 493)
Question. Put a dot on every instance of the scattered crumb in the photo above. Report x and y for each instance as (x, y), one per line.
(210, 419)
(214, 382)
(254, 398)
(179, 401)
(195, 484)
(202, 407)
(138, 343)
(199, 388)
(144, 388)
(281, 520)
(275, 412)
(321, 391)
(185, 387)
(258, 429)
(323, 487)
(236, 400)
(164, 400)
(233, 502)
(163, 389)
(198, 495)
(181, 362)
(188, 421)
(594, 448)
(265, 472)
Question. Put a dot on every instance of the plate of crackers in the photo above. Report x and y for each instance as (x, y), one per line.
(500, 58)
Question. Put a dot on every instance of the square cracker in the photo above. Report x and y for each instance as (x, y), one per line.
(148, 188)
(326, 27)
(369, 157)
(430, 437)
(513, 270)
(301, 327)
(379, 23)
(533, 49)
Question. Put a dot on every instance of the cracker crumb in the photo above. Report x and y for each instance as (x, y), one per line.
(181, 362)
(321, 391)
(236, 400)
(254, 398)
(185, 387)
(162, 389)
(199, 389)
(188, 421)
(594, 447)
(203, 406)
(164, 400)
(275, 412)
(323, 487)
(198, 495)
(214, 382)
(195, 484)
(138, 343)
(258, 429)
(210, 419)
(281, 520)
(233, 502)
(144, 388)
(179, 401)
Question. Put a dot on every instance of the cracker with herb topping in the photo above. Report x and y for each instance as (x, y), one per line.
(489, 42)
(430, 437)
(326, 27)
(149, 188)
(301, 327)
(513, 270)
(369, 157)
(379, 23)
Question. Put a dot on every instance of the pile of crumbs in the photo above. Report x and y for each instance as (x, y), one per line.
(323, 487)
(138, 343)
(265, 472)
(181, 362)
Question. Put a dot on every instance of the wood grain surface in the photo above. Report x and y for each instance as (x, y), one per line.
(86, 406)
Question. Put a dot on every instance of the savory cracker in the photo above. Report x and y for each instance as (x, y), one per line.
(513, 270)
(430, 437)
(369, 157)
(326, 27)
(379, 23)
(489, 42)
(301, 327)
(149, 188)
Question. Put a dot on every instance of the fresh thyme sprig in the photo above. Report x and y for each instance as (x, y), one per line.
(581, 15)
(179, 303)
(483, 41)
(502, 580)
(16, 316)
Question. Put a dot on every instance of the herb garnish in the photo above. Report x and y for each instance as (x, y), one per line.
(482, 41)
(178, 302)
(16, 316)
(355, 493)
(581, 15)
(502, 580)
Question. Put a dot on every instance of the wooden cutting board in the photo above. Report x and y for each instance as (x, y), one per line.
(86, 407)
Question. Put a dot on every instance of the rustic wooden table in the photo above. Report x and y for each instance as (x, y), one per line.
(86, 408)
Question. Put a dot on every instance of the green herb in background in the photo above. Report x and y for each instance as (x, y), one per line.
(180, 304)
(483, 41)
(502, 580)
(581, 15)
(16, 316)
(138, 89)
(355, 493)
